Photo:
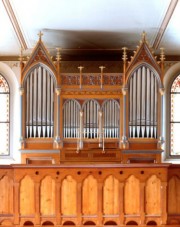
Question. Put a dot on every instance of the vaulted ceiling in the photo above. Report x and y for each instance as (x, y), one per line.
(88, 27)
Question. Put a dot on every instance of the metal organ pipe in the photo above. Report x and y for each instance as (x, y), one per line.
(143, 104)
(111, 119)
(81, 130)
(100, 129)
(44, 122)
(27, 108)
(87, 123)
(40, 103)
(91, 109)
(71, 116)
(52, 106)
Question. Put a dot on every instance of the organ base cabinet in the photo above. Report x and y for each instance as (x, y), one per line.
(90, 155)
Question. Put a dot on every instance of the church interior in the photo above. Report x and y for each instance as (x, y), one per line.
(90, 116)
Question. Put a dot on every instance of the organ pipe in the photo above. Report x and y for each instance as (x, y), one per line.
(143, 104)
(81, 130)
(91, 122)
(71, 117)
(39, 103)
(100, 129)
(91, 109)
(111, 112)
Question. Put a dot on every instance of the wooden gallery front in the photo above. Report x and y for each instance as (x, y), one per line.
(91, 146)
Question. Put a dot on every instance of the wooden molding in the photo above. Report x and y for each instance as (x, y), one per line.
(15, 23)
(165, 23)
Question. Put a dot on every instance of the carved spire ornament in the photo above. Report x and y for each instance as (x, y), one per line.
(102, 68)
(40, 34)
(80, 71)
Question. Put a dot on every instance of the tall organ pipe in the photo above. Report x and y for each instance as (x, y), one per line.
(143, 104)
(39, 103)
(111, 111)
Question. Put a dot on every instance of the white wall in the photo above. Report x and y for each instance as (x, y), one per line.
(11, 71)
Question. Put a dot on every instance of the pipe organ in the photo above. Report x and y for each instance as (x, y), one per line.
(91, 147)
(91, 116)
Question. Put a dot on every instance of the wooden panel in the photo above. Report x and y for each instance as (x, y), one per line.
(94, 154)
(27, 196)
(69, 196)
(90, 195)
(6, 195)
(174, 195)
(111, 196)
(132, 195)
(47, 196)
(153, 196)
(39, 158)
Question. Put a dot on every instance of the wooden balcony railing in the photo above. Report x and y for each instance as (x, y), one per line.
(111, 194)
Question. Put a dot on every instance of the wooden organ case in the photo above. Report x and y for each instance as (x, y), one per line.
(91, 147)
(142, 105)
(94, 117)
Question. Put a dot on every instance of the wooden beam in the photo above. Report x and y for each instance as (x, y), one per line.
(165, 23)
(15, 23)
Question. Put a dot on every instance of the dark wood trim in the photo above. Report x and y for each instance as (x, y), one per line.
(165, 23)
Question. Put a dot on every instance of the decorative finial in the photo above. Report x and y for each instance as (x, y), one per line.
(80, 78)
(80, 68)
(143, 36)
(58, 55)
(124, 57)
(102, 67)
(162, 55)
(40, 34)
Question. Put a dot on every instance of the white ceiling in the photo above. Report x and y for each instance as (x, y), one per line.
(82, 25)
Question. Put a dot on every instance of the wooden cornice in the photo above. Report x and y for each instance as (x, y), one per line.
(104, 58)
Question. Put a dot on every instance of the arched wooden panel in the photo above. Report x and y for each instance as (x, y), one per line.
(47, 195)
(69, 196)
(68, 223)
(89, 223)
(27, 204)
(153, 195)
(110, 223)
(6, 196)
(174, 195)
(132, 195)
(49, 223)
(90, 195)
(111, 196)
(28, 223)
